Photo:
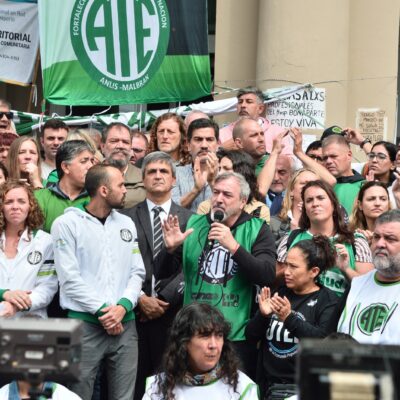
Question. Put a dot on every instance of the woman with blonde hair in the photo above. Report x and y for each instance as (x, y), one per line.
(23, 161)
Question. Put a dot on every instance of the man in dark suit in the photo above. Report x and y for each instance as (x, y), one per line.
(160, 300)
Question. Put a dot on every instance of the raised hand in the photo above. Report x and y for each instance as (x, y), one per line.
(281, 307)
(342, 257)
(173, 236)
(264, 301)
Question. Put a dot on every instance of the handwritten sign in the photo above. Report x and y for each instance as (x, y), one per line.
(372, 123)
(304, 109)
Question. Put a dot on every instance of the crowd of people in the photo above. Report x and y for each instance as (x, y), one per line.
(198, 258)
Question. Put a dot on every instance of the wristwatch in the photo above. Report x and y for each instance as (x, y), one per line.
(364, 142)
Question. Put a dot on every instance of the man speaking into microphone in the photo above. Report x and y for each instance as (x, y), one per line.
(225, 254)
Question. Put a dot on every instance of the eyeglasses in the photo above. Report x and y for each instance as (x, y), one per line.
(314, 157)
(379, 156)
(135, 150)
(8, 114)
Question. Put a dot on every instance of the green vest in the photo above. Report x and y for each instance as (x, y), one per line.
(333, 278)
(347, 193)
(220, 284)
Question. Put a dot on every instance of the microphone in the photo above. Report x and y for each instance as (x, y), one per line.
(217, 216)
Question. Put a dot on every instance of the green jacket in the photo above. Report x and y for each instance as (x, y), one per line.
(53, 202)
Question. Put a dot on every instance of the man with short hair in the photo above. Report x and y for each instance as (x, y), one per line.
(371, 313)
(54, 133)
(225, 253)
(6, 117)
(159, 301)
(250, 103)
(116, 147)
(249, 137)
(193, 181)
(140, 144)
(73, 160)
(101, 272)
(337, 155)
(314, 151)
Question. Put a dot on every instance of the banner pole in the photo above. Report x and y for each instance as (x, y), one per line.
(34, 79)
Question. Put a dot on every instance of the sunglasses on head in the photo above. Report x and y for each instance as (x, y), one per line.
(8, 114)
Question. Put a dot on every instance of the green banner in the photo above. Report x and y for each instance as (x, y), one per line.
(112, 52)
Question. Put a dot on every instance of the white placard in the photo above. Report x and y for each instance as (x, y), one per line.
(19, 40)
(304, 109)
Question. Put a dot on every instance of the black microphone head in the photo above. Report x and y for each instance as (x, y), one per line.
(218, 216)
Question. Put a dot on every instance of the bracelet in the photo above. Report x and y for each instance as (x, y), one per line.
(362, 144)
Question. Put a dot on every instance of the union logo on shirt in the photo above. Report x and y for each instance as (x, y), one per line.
(375, 317)
(218, 266)
(34, 257)
(126, 235)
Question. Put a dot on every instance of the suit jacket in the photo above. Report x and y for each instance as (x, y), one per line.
(141, 217)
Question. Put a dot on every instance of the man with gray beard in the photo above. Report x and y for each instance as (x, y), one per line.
(371, 313)
(116, 147)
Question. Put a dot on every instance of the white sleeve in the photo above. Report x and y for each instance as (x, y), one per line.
(137, 273)
(250, 393)
(68, 269)
(46, 284)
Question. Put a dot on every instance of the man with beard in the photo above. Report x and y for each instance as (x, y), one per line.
(194, 181)
(116, 148)
(371, 311)
(225, 254)
(101, 272)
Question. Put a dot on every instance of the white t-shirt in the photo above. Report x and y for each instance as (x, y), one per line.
(372, 311)
(46, 169)
(60, 393)
(246, 390)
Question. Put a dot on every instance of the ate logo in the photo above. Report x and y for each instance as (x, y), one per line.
(120, 43)
(218, 267)
(374, 318)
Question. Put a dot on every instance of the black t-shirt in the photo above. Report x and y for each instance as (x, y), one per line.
(310, 318)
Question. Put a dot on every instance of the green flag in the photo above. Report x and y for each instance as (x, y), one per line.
(111, 52)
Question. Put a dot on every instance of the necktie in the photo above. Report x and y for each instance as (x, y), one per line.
(158, 240)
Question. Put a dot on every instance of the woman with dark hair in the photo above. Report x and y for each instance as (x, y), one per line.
(300, 309)
(23, 161)
(372, 201)
(28, 279)
(321, 215)
(242, 163)
(168, 134)
(381, 162)
(199, 361)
